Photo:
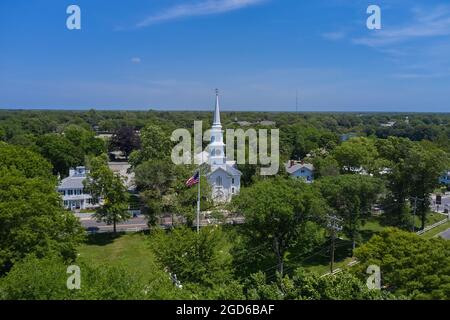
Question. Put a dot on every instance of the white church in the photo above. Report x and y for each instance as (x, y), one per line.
(223, 176)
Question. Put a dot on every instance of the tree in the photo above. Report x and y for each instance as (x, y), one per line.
(60, 152)
(103, 184)
(275, 211)
(356, 153)
(352, 197)
(32, 220)
(126, 140)
(311, 286)
(414, 173)
(85, 139)
(45, 279)
(395, 151)
(325, 166)
(426, 164)
(155, 144)
(30, 164)
(410, 265)
(197, 258)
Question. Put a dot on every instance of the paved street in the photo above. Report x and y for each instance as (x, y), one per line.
(139, 223)
(445, 234)
(135, 224)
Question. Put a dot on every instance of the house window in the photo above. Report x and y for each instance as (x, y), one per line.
(70, 192)
(232, 190)
(232, 181)
(219, 181)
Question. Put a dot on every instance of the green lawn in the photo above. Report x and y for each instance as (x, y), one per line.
(434, 232)
(130, 251)
(133, 252)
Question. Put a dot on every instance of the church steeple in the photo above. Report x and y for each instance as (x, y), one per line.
(216, 121)
(217, 147)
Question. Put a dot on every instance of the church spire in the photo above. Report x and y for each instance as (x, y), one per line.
(217, 111)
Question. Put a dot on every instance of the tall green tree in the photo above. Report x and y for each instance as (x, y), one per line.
(197, 258)
(356, 153)
(352, 197)
(155, 144)
(414, 173)
(61, 152)
(426, 162)
(104, 185)
(32, 219)
(410, 265)
(29, 163)
(276, 210)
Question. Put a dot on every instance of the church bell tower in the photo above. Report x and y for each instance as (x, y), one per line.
(217, 147)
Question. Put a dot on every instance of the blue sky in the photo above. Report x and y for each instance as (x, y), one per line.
(171, 54)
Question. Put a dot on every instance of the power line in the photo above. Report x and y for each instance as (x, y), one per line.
(334, 224)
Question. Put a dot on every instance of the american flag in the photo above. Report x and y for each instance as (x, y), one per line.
(193, 180)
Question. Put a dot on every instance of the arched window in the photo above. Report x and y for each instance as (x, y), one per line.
(219, 181)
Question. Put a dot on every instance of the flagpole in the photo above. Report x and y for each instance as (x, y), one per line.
(198, 201)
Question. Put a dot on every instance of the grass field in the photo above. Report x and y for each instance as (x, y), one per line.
(130, 251)
(133, 252)
(434, 232)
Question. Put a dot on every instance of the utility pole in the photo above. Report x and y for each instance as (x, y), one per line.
(414, 213)
(335, 225)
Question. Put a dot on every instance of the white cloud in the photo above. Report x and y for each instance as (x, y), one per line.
(199, 8)
(427, 23)
(136, 60)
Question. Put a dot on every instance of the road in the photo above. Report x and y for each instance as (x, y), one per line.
(139, 223)
(135, 224)
(445, 234)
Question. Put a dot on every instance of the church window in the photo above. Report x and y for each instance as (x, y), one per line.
(213, 138)
(219, 181)
(232, 190)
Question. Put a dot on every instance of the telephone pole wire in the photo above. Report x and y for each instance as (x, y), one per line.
(334, 224)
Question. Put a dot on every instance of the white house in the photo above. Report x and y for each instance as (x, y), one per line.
(300, 170)
(224, 177)
(72, 190)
